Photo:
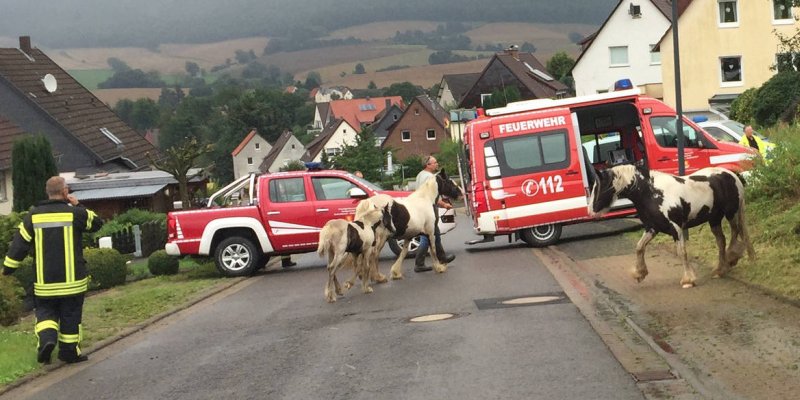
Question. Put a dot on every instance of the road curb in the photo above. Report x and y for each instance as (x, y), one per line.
(227, 284)
(586, 295)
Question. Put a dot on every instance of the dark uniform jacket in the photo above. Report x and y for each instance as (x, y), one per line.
(54, 231)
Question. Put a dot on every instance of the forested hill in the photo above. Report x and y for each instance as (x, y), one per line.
(148, 23)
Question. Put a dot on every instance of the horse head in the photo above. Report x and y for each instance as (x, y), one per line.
(447, 187)
(609, 185)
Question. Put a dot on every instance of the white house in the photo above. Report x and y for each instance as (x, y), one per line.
(247, 156)
(331, 141)
(285, 150)
(622, 47)
(324, 95)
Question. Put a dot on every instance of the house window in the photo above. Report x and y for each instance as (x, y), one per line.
(731, 70)
(394, 117)
(405, 136)
(787, 62)
(431, 134)
(782, 11)
(484, 97)
(258, 146)
(249, 160)
(3, 192)
(655, 56)
(332, 151)
(292, 146)
(416, 111)
(728, 13)
(618, 56)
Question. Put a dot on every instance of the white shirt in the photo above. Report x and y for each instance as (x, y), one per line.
(422, 177)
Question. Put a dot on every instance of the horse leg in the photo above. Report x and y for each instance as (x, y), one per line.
(356, 272)
(397, 267)
(736, 247)
(362, 263)
(640, 271)
(437, 265)
(688, 271)
(376, 274)
(333, 267)
(722, 263)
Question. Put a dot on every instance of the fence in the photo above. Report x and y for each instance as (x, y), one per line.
(141, 240)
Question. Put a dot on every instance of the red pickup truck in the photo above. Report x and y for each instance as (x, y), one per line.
(258, 216)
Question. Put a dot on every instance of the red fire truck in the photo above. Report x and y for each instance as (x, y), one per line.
(531, 164)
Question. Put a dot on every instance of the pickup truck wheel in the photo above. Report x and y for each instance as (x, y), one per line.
(236, 256)
(396, 245)
(542, 235)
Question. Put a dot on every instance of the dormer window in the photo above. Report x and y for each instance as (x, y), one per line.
(258, 146)
(113, 138)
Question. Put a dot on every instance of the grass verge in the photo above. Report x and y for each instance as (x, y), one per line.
(108, 313)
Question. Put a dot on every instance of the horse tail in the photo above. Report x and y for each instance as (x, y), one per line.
(323, 241)
(751, 253)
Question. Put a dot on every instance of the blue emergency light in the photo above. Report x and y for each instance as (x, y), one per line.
(700, 118)
(623, 84)
(314, 166)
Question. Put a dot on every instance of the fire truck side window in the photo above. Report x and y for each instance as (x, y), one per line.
(287, 190)
(534, 152)
(667, 133)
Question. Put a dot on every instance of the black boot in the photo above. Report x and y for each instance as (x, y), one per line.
(44, 353)
(287, 263)
(444, 258)
(72, 358)
(419, 262)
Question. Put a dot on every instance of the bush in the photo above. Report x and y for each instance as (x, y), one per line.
(780, 179)
(8, 226)
(775, 96)
(106, 266)
(160, 263)
(742, 107)
(129, 218)
(10, 300)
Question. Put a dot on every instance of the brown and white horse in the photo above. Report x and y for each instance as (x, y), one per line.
(669, 204)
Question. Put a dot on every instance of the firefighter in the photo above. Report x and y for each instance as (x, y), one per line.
(54, 229)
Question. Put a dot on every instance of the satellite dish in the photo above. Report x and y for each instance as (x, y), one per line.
(50, 83)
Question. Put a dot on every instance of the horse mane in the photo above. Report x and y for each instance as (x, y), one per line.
(624, 176)
(428, 191)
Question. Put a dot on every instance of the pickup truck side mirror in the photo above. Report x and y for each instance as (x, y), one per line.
(357, 193)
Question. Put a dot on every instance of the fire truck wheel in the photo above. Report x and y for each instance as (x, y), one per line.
(397, 246)
(542, 235)
(236, 256)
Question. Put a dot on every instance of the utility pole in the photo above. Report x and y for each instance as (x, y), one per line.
(678, 104)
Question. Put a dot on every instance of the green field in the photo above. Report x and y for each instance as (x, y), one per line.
(90, 78)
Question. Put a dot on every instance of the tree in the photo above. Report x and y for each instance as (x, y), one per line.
(178, 161)
(501, 97)
(559, 65)
(294, 165)
(528, 47)
(118, 65)
(407, 90)
(362, 156)
(372, 85)
(313, 80)
(192, 68)
(32, 164)
(359, 69)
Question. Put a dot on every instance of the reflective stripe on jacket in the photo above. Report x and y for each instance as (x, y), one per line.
(54, 230)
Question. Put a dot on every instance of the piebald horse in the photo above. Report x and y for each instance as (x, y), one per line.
(669, 204)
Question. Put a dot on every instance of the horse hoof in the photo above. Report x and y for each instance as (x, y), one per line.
(347, 285)
(397, 277)
(381, 279)
(688, 285)
(368, 290)
(331, 299)
(441, 269)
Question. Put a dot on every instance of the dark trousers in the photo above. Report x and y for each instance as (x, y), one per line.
(59, 319)
(424, 241)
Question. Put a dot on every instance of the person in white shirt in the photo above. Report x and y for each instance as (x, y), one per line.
(430, 166)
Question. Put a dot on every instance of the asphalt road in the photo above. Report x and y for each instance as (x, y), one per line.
(275, 337)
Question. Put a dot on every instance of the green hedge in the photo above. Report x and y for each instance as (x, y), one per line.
(107, 268)
(160, 263)
(11, 294)
(129, 218)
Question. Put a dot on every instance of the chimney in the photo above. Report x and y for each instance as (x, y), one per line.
(25, 44)
(513, 51)
(388, 103)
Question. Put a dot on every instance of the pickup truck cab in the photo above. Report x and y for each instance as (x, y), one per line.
(258, 216)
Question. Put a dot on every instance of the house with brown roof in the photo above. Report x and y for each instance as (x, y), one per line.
(330, 141)
(384, 121)
(9, 132)
(248, 154)
(453, 87)
(514, 68)
(420, 130)
(285, 150)
(38, 96)
(357, 112)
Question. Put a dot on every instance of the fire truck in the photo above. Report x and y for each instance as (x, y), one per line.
(530, 165)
